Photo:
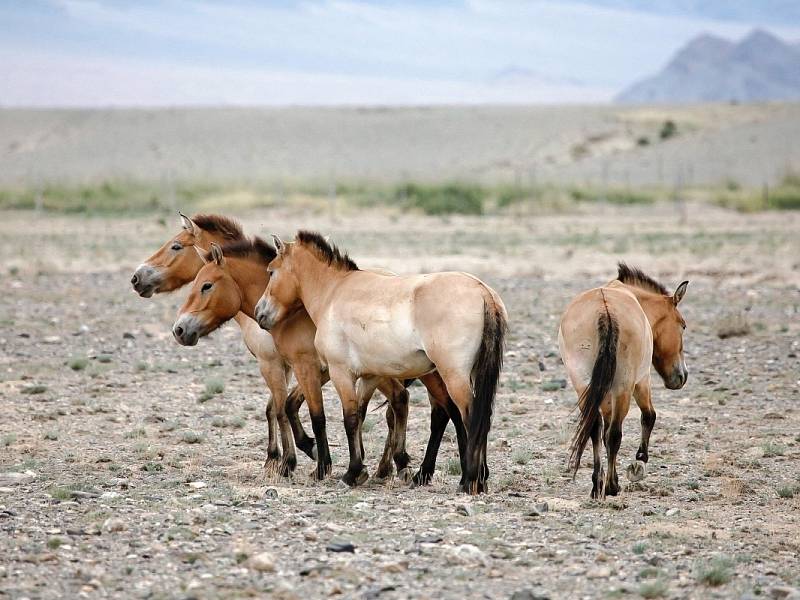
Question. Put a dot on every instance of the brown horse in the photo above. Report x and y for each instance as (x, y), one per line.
(232, 281)
(608, 338)
(176, 264)
(370, 325)
(237, 275)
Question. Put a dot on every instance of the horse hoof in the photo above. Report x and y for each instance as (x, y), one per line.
(383, 473)
(421, 479)
(636, 471)
(404, 475)
(272, 465)
(353, 480)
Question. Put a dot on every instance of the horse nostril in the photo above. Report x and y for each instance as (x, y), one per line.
(178, 330)
(134, 279)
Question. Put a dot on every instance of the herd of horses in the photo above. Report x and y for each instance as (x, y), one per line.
(304, 307)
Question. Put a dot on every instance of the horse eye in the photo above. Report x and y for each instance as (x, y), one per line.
(206, 286)
(176, 246)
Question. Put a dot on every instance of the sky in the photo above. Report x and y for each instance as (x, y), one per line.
(369, 52)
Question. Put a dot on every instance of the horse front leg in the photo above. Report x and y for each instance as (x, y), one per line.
(345, 385)
(637, 471)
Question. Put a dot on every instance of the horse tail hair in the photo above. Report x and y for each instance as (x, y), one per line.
(605, 367)
(486, 375)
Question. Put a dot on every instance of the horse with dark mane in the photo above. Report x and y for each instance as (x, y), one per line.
(608, 338)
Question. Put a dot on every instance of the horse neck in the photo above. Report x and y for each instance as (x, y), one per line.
(316, 280)
(252, 278)
(650, 302)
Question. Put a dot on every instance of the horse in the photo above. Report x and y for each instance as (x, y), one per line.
(176, 264)
(608, 337)
(371, 325)
(231, 281)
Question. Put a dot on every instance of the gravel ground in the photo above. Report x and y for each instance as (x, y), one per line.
(117, 479)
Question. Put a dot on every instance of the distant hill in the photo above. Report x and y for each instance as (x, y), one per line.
(712, 69)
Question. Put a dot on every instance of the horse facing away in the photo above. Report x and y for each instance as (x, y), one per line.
(608, 337)
(176, 264)
(371, 325)
(234, 279)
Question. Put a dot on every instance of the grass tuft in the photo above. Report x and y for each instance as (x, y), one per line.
(78, 363)
(718, 571)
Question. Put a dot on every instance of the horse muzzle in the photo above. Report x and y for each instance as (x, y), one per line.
(677, 378)
(186, 330)
(265, 314)
(145, 280)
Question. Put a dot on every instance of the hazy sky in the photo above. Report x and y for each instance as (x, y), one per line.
(243, 52)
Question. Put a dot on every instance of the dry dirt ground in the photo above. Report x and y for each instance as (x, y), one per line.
(118, 479)
(586, 145)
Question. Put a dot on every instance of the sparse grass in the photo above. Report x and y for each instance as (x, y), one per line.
(34, 389)
(7, 439)
(772, 449)
(51, 435)
(452, 466)
(639, 548)
(693, 485)
(788, 491)
(78, 363)
(55, 542)
(657, 588)
(718, 571)
(521, 457)
(213, 386)
(733, 325)
(191, 437)
(141, 366)
(139, 432)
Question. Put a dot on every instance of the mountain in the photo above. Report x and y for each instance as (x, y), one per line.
(711, 69)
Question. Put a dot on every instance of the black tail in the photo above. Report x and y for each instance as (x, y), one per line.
(486, 374)
(605, 366)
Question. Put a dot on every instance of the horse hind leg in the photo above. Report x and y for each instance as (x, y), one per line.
(613, 437)
(637, 470)
(598, 475)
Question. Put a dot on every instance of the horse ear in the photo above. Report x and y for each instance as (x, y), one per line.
(188, 224)
(216, 254)
(280, 247)
(204, 256)
(678, 295)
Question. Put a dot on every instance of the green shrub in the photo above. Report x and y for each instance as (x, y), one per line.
(446, 199)
(78, 363)
(668, 129)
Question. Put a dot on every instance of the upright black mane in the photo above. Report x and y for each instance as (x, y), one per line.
(245, 248)
(326, 251)
(636, 277)
(224, 226)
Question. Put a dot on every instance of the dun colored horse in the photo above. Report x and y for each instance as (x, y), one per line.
(176, 264)
(233, 280)
(370, 326)
(608, 338)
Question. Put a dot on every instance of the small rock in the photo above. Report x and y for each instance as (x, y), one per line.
(465, 509)
(528, 595)
(196, 485)
(598, 573)
(784, 593)
(263, 562)
(113, 525)
(340, 546)
(672, 512)
(13, 478)
(396, 567)
(109, 495)
(51, 339)
(429, 539)
(128, 336)
(270, 494)
(466, 554)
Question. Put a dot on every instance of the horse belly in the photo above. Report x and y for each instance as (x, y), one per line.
(388, 348)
